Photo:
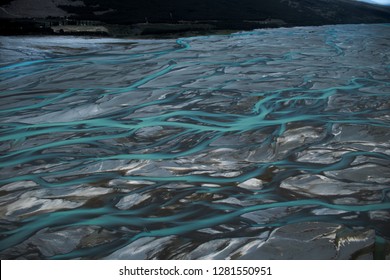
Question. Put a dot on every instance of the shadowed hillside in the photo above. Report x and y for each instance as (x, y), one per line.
(304, 12)
(152, 17)
(293, 12)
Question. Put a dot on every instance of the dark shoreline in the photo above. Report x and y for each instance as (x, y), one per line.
(59, 26)
(174, 18)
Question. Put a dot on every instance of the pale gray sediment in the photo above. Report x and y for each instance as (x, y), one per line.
(263, 144)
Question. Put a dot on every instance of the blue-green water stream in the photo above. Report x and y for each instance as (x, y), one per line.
(199, 138)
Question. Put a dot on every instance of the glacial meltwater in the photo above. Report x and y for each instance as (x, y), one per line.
(270, 144)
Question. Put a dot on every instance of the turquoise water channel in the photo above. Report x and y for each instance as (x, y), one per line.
(106, 142)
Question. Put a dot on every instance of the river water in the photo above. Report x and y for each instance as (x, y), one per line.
(192, 148)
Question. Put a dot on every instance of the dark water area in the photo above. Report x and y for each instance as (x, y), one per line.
(216, 147)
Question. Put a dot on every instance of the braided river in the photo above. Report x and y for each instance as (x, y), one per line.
(203, 147)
